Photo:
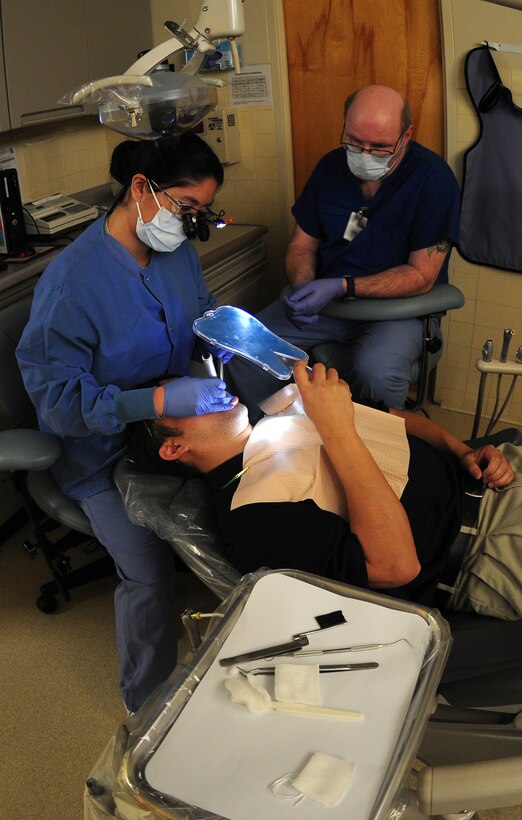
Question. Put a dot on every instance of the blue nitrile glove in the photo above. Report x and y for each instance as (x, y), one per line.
(303, 306)
(218, 352)
(195, 397)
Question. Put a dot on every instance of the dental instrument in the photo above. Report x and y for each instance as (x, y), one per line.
(508, 334)
(270, 652)
(328, 667)
(326, 621)
(209, 365)
(356, 648)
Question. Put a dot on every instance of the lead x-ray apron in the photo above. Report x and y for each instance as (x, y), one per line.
(490, 230)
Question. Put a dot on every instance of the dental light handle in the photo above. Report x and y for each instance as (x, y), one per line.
(508, 333)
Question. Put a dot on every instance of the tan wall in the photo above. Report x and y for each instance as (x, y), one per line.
(65, 157)
(493, 297)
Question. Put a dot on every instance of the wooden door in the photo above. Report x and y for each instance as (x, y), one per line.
(337, 46)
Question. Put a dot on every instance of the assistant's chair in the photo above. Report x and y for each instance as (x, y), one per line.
(27, 456)
(429, 307)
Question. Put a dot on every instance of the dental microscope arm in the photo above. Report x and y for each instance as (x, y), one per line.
(218, 20)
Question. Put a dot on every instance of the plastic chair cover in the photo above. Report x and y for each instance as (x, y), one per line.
(180, 512)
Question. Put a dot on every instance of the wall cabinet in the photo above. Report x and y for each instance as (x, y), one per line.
(48, 49)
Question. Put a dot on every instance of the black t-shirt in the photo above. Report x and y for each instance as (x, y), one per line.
(299, 535)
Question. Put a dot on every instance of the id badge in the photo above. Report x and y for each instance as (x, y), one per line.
(355, 224)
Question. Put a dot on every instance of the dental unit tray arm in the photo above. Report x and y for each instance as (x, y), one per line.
(149, 104)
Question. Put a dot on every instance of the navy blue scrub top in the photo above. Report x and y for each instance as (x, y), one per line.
(414, 208)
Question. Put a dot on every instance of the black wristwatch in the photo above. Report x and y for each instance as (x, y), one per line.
(350, 289)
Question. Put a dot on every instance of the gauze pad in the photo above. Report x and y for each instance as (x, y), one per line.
(250, 692)
(324, 779)
(298, 683)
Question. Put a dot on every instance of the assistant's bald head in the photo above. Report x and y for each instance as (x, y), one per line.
(377, 105)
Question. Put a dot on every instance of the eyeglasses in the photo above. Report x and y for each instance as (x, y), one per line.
(184, 210)
(375, 152)
(148, 428)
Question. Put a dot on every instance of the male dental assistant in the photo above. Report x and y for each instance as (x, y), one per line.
(376, 219)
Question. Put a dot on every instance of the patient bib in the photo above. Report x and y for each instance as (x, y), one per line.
(287, 462)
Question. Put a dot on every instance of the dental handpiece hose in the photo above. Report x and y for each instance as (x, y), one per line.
(209, 365)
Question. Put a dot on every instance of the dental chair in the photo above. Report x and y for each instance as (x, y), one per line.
(27, 455)
(473, 753)
(429, 307)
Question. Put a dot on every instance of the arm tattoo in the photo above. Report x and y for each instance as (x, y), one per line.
(442, 246)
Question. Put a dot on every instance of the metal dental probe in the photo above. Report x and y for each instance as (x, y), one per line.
(329, 667)
(355, 648)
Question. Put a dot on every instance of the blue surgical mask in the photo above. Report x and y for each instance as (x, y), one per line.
(367, 167)
(164, 233)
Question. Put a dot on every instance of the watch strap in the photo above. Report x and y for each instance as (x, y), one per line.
(350, 288)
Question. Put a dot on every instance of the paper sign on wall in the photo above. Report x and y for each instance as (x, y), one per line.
(252, 87)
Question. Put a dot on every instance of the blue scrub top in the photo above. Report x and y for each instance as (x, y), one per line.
(414, 208)
(101, 324)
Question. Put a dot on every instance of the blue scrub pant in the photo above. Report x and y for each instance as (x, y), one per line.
(145, 622)
(380, 356)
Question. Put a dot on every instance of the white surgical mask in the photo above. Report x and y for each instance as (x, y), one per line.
(164, 233)
(367, 167)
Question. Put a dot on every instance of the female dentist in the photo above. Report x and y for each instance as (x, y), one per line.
(111, 313)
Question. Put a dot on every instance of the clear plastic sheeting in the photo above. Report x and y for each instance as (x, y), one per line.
(119, 785)
(149, 106)
(122, 89)
(180, 512)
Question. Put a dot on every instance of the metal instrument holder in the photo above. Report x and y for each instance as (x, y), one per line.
(485, 368)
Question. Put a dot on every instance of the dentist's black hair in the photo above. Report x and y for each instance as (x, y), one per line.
(177, 161)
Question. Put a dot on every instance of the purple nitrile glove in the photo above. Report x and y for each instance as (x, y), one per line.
(218, 352)
(302, 322)
(311, 298)
(195, 397)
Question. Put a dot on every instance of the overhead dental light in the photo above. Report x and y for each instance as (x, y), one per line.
(148, 103)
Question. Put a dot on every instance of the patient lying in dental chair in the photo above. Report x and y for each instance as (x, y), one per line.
(374, 499)
(343, 506)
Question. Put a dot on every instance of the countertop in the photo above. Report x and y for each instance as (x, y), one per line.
(19, 278)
